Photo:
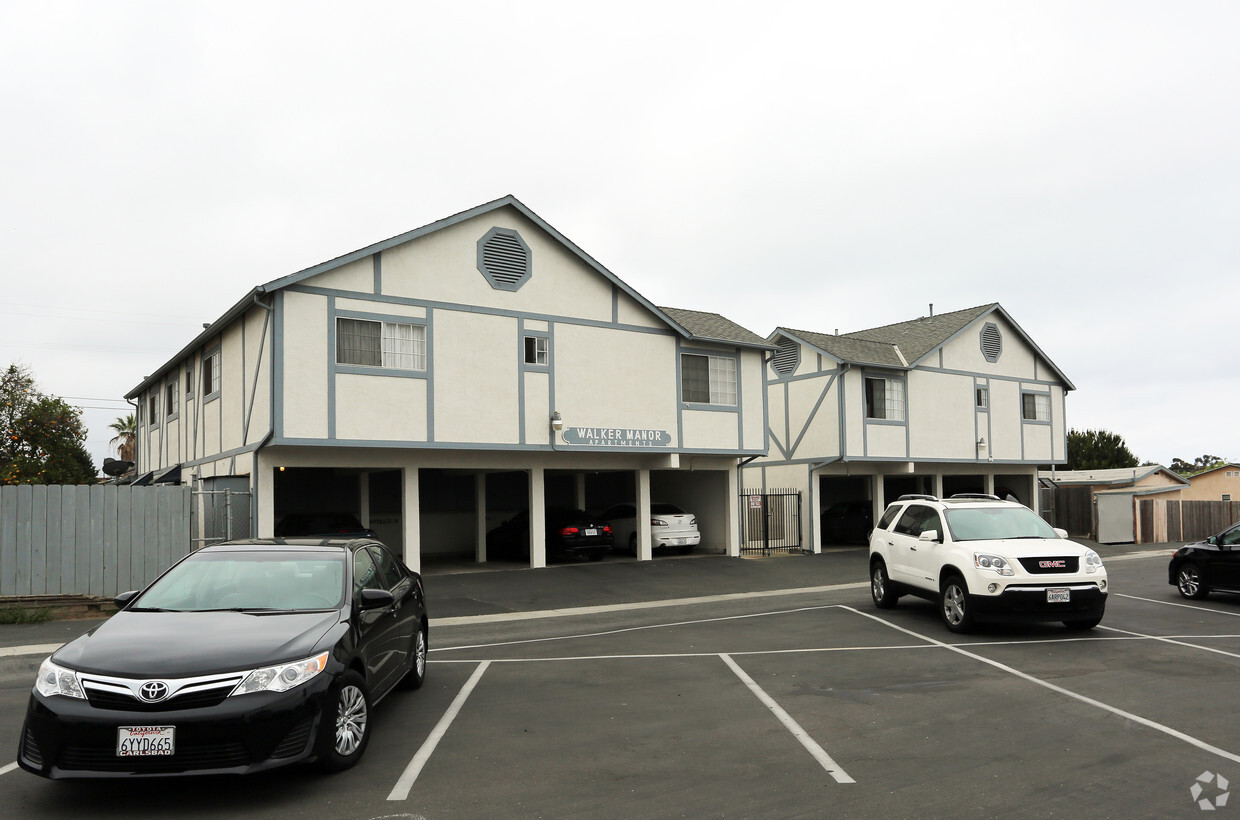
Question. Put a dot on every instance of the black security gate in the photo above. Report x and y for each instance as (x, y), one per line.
(770, 521)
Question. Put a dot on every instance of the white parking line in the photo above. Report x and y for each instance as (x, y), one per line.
(1176, 603)
(1167, 730)
(8, 768)
(800, 734)
(1174, 641)
(401, 790)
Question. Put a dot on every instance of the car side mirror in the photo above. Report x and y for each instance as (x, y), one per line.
(124, 598)
(1061, 532)
(374, 598)
(929, 535)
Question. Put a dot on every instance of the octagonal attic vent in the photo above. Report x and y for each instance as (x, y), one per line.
(787, 357)
(504, 259)
(992, 342)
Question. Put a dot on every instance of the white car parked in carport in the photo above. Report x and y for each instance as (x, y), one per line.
(670, 526)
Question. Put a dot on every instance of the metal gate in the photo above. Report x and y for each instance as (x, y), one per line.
(220, 515)
(770, 521)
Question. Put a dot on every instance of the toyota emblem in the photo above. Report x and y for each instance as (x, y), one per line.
(153, 691)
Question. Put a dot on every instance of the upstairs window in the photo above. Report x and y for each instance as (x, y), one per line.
(189, 380)
(1035, 407)
(211, 373)
(392, 345)
(983, 398)
(707, 379)
(152, 407)
(171, 396)
(537, 350)
(884, 399)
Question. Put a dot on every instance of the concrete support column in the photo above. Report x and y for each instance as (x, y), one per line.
(538, 518)
(732, 515)
(581, 491)
(880, 500)
(642, 521)
(938, 485)
(989, 486)
(480, 514)
(810, 527)
(411, 516)
(363, 491)
(265, 498)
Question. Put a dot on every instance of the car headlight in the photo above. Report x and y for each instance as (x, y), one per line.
(994, 563)
(56, 680)
(283, 677)
(1093, 561)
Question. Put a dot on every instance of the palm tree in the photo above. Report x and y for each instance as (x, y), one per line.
(126, 438)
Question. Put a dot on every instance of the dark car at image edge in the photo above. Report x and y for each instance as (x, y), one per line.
(1209, 565)
(241, 657)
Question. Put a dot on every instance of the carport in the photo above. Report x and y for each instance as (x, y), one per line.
(441, 508)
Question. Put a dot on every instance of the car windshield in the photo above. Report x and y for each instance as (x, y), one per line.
(255, 581)
(993, 523)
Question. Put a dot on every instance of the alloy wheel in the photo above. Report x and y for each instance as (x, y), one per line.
(351, 717)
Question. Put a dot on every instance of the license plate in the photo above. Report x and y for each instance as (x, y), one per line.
(680, 540)
(1058, 596)
(590, 532)
(145, 741)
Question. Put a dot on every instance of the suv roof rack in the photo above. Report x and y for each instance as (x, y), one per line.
(985, 496)
(917, 497)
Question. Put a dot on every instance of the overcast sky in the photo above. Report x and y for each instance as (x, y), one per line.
(813, 165)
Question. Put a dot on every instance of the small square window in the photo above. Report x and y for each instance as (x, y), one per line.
(536, 350)
(983, 397)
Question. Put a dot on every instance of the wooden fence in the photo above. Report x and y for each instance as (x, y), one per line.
(89, 539)
(1163, 520)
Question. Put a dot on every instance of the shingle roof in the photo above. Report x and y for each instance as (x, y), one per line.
(711, 327)
(903, 344)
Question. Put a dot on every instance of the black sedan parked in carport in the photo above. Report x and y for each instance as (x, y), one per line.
(570, 533)
(241, 657)
(1212, 565)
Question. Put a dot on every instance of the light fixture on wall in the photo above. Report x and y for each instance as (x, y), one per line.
(981, 443)
(557, 423)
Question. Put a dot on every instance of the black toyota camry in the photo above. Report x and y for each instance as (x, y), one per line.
(241, 657)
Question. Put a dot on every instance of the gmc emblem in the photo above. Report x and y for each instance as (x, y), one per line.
(1057, 564)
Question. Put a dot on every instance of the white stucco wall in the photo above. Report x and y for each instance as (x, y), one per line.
(306, 353)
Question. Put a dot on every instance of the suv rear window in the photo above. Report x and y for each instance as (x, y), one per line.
(888, 516)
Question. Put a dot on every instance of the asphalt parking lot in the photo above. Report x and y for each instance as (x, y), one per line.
(715, 687)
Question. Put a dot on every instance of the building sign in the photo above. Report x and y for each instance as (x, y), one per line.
(616, 437)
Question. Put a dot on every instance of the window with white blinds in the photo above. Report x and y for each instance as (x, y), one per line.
(369, 343)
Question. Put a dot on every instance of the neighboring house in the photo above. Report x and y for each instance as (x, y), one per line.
(438, 382)
(1221, 483)
(1114, 494)
(951, 403)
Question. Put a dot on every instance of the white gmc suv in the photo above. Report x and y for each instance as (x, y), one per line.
(982, 559)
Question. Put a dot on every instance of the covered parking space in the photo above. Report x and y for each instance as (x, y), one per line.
(440, 506)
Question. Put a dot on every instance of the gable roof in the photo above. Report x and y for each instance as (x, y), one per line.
(905, 345)
(734, 334)
(1226, 465)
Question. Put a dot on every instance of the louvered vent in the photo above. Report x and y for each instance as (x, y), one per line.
(992, 342)
(504, 259)
(787, 357)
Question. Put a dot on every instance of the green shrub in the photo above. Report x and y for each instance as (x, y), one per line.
(23, 615)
